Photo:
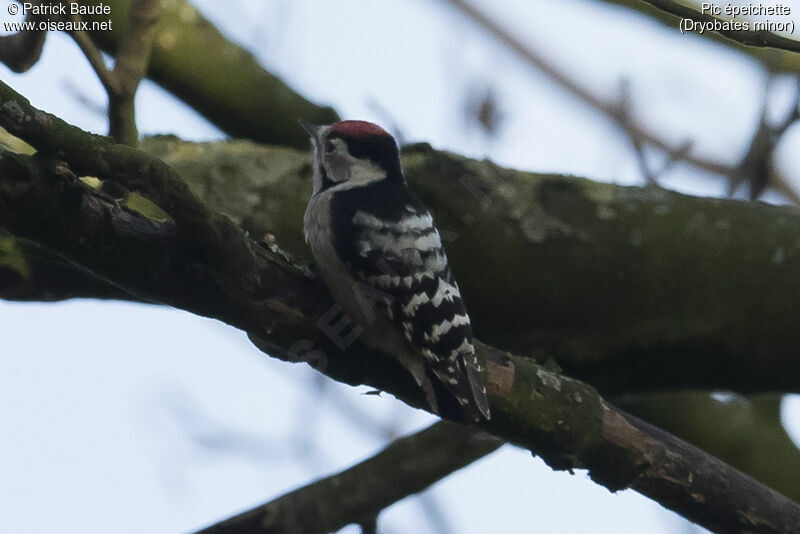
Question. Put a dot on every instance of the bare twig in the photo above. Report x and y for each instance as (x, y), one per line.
(94, 57)
(757, 168)
(760, 38)
(624, 117)
(246, 102)
(610, 109)
(358, 494)
(772, 59)
(91, 104)
(639, 134)
(130, 67)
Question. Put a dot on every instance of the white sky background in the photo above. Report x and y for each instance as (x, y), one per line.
(180, 422)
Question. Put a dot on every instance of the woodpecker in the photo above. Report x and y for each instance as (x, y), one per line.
(382, 258)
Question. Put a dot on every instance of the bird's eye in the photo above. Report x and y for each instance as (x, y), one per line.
(330, 148)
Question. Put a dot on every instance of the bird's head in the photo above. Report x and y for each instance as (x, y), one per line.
(350, 154)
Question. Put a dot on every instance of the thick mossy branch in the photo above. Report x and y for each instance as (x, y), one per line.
(628, 288)
(263, 189)
(206, 237)
(221, 80)
(561, 419)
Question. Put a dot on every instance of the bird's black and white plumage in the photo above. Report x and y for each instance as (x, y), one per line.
(382, 258)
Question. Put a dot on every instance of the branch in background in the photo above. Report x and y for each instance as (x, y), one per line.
(20, 51)
(560, 419)
(651, 298)
(221, 80)
(129, 69)
(757, 168)
(637, 132)
(744, 431)
(407, 466)
(773, 59)
(625, 114)
(610, 109)
(196, 85)
(95, 58)
(761, 38)
(133, 55)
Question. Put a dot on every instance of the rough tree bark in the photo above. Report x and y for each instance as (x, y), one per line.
(633, 288)
(202, 262)
(263, 189)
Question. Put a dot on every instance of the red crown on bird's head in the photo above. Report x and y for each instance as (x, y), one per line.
(357, 129)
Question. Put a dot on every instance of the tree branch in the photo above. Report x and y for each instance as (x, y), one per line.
(609, 109)
(20, 51)
(95, 59)
(221, 80)
(746, 432)
(773, 59)
(195, 86)
(660, 292)
(133, 57)
(638, 133)
(261, 291)
(31, 273)
(409, 465)
(761, 38)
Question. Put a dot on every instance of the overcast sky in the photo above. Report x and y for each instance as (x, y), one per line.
(128, 418)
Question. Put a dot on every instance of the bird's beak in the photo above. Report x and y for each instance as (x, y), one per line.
(312, 129)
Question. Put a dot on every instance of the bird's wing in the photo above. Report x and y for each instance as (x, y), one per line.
(403, 261)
